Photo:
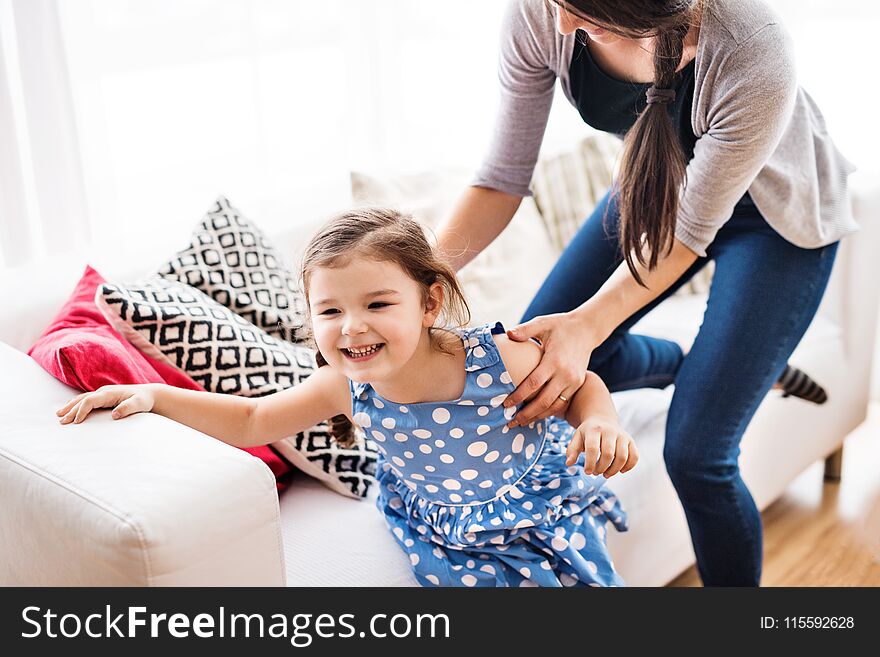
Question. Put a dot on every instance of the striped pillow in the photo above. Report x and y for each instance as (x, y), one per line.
(568, 185)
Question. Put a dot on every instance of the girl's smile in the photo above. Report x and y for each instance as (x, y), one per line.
(363, 353)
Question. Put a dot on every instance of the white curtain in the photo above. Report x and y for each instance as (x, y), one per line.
(42, 200)
(121, 120)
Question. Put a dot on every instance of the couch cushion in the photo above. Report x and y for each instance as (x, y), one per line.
(139, 502)
(333, 541)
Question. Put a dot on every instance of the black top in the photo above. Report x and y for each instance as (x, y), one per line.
(611, 105)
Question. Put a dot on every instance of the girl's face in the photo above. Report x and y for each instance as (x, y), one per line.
(567, 22)
(369, 317)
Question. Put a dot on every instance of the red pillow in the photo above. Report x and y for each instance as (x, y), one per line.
(81, 349)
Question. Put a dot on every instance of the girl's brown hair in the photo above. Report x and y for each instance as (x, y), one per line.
(385, 235)
(653, 164)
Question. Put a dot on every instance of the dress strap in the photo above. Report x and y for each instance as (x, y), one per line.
(481, 350)
(357, 389)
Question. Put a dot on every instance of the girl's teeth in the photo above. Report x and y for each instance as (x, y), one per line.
(364, 352)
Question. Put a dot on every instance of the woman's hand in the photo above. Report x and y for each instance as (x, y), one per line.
(607, 448)
(124, 400)
(567, 345)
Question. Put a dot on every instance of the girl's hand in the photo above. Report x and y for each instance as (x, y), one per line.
(124, 400)
(567, 345)
(607, 448)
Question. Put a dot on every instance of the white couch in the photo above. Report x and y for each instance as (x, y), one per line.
(148, 502)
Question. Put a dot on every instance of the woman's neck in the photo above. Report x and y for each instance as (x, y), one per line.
(632, 60)
(430, 375)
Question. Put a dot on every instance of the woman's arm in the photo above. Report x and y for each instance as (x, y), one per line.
(621, 296)
(478, 218)
(239, 421)
(570, 338)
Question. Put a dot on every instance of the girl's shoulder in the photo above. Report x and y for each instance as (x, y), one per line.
(332, 385)
(518, 358)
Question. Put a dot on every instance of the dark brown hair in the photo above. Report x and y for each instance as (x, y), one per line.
(653, 164)
(385, 235)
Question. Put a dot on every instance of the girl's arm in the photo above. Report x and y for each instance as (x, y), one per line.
(607, 447)
(323, 395)
(478, 218)
(239, 421)
(570, 338)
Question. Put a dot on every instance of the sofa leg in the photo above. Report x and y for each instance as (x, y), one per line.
(833, 464)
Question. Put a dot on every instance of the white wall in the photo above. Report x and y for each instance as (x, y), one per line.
(273, 102)
(836, 47)
(267, 100)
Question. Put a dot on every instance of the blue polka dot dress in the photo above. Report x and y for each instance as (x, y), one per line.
(474, 503)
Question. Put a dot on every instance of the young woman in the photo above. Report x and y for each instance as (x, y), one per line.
(725, 158)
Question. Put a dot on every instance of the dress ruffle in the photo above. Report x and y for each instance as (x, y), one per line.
(547, 493)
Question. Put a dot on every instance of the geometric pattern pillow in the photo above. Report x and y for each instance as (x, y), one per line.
(347, 470)
(231, 261)
(219, 349)
(225, 353)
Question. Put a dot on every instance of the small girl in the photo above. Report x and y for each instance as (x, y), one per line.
(471, 497)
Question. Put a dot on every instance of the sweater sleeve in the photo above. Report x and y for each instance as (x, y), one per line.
(751, 104)
(526, 82)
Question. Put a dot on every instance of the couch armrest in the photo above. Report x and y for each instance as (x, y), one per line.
(142, 501)
(851, 301)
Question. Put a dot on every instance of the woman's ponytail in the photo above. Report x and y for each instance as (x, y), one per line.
(653, 165)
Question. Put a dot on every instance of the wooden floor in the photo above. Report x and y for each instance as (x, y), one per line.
(825, 533)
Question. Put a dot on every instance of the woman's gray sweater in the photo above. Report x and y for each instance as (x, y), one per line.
(756, 129)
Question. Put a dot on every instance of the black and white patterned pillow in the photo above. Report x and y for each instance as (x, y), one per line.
(347, 470)
(231, 261)
(223, 352)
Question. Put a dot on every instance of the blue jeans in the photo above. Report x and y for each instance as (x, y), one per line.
(765, 292)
